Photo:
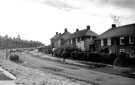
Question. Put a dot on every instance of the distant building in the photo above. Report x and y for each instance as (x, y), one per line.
(83, 39)
(18, 37)
(118, 39)
(54, 39)
(61, 41)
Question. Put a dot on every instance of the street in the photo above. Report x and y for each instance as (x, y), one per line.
(58, 67)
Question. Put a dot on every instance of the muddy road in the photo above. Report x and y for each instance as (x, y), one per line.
(57, 66)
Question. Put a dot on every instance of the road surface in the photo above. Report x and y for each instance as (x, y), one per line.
(58, 67)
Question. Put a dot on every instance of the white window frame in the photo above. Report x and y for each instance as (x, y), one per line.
(71, 41)
(102, 42)
(109, 41)
(122, 50)
(76, 40)
(130, 40)
(121, 43)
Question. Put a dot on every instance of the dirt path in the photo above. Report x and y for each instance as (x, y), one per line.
(31, 76)
(72, 71)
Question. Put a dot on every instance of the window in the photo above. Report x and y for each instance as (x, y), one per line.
(122, 50)
(105, 42)
(102, 42)
(121, 40)
(131, 40)
(80, 39)
(109, 41)
(91, 40)
(132, 55)
(76, 40)
(71, 41)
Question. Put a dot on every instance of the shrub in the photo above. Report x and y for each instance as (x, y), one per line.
(94, 57)
(102, 57)
(14, 57)
(112, 58)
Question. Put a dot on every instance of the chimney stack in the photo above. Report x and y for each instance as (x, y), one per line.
(65, 29)
(56, 33)
(88, 27)
(77, 30)
(113, 25)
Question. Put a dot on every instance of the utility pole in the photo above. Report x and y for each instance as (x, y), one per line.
(6, 48)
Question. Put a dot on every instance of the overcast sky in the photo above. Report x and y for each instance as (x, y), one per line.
(41, 19)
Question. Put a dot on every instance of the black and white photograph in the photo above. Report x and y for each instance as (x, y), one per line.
(67, 42)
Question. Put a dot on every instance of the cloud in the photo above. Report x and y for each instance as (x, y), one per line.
(124, 3)
(61, 4)
(78, 4)
(119, 3)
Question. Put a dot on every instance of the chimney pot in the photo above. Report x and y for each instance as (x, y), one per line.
(65, 29)
(56, 33)
(88, 27)
(77, 30)
(113, 25)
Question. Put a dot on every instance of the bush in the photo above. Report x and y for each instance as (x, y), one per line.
(14, 57)
(94, 57)
(102, 57)
(112, 58)
(124, 60)
(74, 55)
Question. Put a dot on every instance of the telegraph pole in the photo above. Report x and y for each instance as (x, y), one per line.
(6, 47)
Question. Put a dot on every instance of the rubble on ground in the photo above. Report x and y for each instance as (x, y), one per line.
(30, 76)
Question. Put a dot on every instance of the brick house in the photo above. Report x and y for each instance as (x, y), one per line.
(61, 40)
(54, 39)
(118, 39)
(83, 39)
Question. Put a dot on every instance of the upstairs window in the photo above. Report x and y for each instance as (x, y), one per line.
(131, 40)
(121, 40)
(76, 40)
(105, 42)
(109, 41)
(102, 42)
(71, 41)
(122, 50)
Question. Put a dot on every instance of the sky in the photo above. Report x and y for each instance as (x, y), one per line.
(40, 19)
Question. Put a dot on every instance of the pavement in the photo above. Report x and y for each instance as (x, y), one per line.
(6, 78)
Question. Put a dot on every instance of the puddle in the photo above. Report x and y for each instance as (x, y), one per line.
(53, 69)
(98, 79)
(70, 67)
(95, 65)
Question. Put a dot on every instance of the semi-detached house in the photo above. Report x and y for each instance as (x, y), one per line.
(54, 39)
(59, 40)
(118, 39)
(83, 39)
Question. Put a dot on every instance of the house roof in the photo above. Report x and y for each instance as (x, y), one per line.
(55, 37)
(81, 33)
(65, 35)
(124, 30)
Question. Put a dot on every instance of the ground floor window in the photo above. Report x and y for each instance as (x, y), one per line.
(131, 40)
(121, 40)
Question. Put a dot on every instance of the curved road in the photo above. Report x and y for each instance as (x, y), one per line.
(58, 67)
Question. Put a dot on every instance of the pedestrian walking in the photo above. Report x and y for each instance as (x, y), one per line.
(64, 55)
(53, 51)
